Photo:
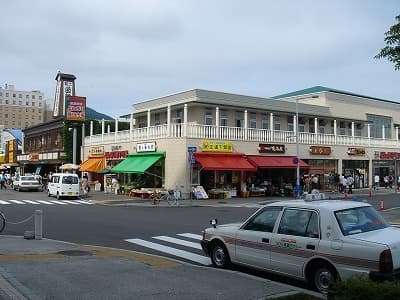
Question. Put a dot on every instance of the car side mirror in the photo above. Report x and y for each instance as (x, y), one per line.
(214, 223)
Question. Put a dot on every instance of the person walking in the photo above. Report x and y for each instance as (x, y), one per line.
(85, 185)
(350, 181)
(3, 180)
(376, 181)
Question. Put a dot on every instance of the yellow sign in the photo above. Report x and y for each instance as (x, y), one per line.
(216, 146)
(96, 151)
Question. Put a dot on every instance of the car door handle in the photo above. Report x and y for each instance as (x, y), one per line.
(264, 240)
(311, 247)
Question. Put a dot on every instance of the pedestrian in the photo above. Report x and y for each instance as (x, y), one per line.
(345, 185)
(314, 182)
(350, 181)
(376, 181)
(341, 183)
(85, 185)
(3, 180)
(390, 181)
(386, 181)
(331, 181)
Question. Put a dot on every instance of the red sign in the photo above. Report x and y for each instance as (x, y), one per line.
(76, 108)
(116, 155)
(389, 155)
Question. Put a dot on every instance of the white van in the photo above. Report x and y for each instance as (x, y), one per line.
(63, 185)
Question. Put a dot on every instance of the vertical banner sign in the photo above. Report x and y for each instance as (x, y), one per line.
(76, 108)
(57, 99)
(67, 92)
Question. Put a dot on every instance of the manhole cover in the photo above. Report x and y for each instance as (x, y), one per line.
(75, 253)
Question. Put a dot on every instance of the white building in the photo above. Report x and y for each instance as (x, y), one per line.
(338, 132)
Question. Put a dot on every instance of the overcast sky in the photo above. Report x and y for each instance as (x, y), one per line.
(123, 52)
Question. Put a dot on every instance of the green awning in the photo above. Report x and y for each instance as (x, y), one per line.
(138, 163)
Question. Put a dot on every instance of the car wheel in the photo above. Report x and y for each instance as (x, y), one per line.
(220, 256)
(324, 276)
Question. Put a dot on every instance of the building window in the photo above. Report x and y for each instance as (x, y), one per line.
(33, 96)
(40, 104)
(33, 103)
(239, 119)
(377, 122)
(27, 103)
(20, 96)
(6, 94)
(302, 125)
(142, 122)
(265, 121)
(19, 102)
(253, 120)
(321, 127)
(157, 120)
(14, 95)
(40, 97)
(223, 115)
(5, 115)
(290, 125)
(27, 96)
(342, 128)
(208, 116)
(6, 101)
(277, 122)
(14, 102)
(359, 127)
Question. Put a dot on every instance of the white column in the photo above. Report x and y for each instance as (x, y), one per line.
(103, 124)
(369, 135)
(271, 121)
(217, 121)
(335, 130)
(383, 131)
(83, 136)
(148, 123)
(131, 127)
(169, 120)
(116, 130)
(294, 124)
(108, 129)
(185, 120)
(352, 129)
(397, 133)
(316, 127)
(246, 126)
(91, 132)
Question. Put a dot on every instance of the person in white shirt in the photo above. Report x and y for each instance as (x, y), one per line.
(376, 182)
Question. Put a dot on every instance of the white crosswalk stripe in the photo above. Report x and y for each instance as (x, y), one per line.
(203, 260)
(17, 201)
(191, 235)
(31, 202)
(182, 243)
(178, 241)
(46, 202)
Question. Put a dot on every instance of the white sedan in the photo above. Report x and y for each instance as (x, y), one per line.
(27, 183)
(318, 241)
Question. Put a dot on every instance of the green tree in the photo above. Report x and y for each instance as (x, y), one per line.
(392, 49)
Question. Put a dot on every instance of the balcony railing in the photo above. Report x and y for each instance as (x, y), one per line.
(235, 134)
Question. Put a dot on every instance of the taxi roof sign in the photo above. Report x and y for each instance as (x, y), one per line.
(315, 196)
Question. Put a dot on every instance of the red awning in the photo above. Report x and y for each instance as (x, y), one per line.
(275, 162)
(223, 161)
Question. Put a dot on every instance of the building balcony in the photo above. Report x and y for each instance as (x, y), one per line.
(212, 132)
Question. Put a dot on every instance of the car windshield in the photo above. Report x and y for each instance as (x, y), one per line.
(359, 220)
(27, 178)
(70, 180)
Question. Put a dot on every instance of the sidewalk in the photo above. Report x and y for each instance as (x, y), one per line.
(48, 269)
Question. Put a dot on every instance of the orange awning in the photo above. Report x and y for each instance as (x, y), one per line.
(275, 162)
(223, 161)
(93, 164)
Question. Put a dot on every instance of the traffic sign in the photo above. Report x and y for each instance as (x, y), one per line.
(192, 160)
(191, 149)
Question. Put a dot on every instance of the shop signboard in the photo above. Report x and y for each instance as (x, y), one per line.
(216, 146)
(34, 157)
(318, 150)
(389, 155)
(271, 148)
(116, 155)
(76, 108)
(96, 151)
(146, 147)
(356, 151)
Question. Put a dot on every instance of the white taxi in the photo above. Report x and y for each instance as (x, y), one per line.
(318, 241)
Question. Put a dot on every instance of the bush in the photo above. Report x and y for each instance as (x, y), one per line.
(364, 289)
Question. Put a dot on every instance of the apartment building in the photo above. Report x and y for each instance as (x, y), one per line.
(20, 109)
